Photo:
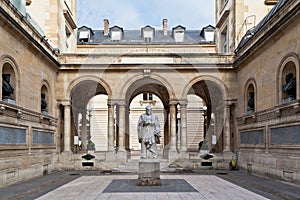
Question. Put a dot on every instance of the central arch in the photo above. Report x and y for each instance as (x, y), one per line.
(161, 94)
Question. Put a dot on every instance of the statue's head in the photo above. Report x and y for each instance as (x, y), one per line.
(251, 94)
(43, 95)
(6, 77)
(148, 110)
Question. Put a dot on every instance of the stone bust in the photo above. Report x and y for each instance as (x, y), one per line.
(43, 103)
(7, 88)
(251, 102)
(148, 133)
(289, 88)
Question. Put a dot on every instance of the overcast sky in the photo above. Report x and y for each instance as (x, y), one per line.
(135, 14)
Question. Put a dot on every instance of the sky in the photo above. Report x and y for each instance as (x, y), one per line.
(135, 14)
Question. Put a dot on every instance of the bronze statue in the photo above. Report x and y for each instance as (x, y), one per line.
(251, 102)
(148, 133)
(7, 89)
(290, 86)
(43, 103)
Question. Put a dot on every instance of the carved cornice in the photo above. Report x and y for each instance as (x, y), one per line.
(17, 112)
(280, 111)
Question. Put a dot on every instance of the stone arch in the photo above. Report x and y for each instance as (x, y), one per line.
(7, 59)
(213, 79)
(154, 77)
(45, 88)
(290, 60)
(214, 94)
(83, 78)
(250, 82)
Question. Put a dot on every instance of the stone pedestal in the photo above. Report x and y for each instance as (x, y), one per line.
(149, 172)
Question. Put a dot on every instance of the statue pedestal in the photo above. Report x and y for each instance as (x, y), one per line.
(149, 172)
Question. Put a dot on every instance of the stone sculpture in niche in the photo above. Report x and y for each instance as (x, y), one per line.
(289, 88)
(7, 88)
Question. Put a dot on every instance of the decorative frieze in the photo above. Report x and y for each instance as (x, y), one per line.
(14, 111)
(281, 111)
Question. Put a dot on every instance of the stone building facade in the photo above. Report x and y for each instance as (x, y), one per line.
(96, 83)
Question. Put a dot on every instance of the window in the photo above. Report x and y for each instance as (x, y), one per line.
(84, 36)
(116, 33)
(148, 33)
(178, 33)
(147, 96)
(224, 39)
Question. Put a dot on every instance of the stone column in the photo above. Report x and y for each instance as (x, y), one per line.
(110, 128)
(67, 127)
(227, 128)
(83, 130)
(173, 127)
(183, 128)
(122, 121)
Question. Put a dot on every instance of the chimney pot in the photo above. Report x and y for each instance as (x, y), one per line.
(165, 26)
(106, 27)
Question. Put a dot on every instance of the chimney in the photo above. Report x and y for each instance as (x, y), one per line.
(165, 26)
(106, 27)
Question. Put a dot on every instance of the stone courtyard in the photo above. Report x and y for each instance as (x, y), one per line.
(202, 184)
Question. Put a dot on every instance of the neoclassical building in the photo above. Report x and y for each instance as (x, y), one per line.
(234, 85)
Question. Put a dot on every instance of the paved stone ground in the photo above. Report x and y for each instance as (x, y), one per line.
(208, 184)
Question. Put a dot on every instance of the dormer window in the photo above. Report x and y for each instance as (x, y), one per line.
(85, 34)
(178, 33)
(148, 33)
(208, 33)
(116, 33)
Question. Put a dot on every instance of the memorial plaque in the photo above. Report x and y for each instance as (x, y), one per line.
(252, 137)
(10, 135)
(285, 135)
(42, 137)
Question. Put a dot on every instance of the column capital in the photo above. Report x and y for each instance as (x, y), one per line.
(120, 102)
(173, 102)
(64, 102)
(183, 102)
(229, 102)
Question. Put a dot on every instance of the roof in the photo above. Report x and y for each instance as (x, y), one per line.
(255, 29)
(135, 37)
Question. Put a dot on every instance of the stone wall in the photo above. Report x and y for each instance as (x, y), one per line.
(268, 138)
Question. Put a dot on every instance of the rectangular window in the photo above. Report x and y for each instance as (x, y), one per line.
(147, 96)
(224, 39)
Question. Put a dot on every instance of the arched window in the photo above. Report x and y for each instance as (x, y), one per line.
(9, 81)
(288, 79)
